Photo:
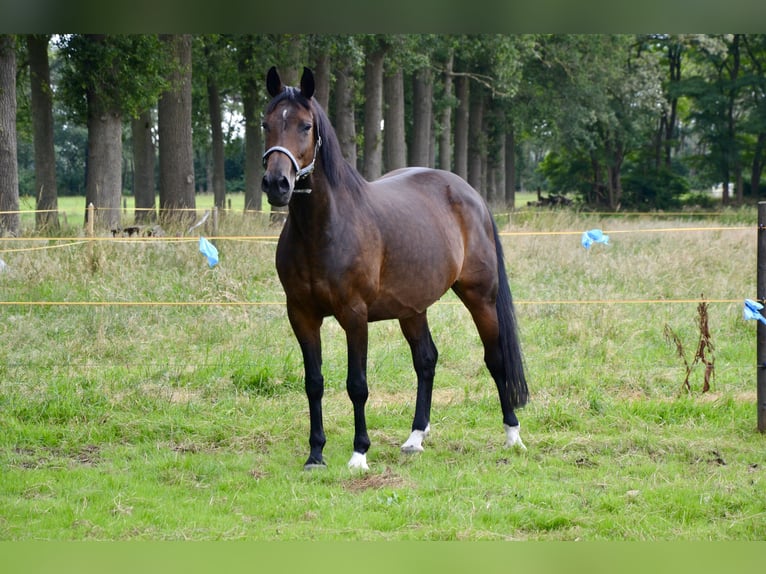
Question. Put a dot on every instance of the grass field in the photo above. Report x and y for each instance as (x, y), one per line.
(144, 395)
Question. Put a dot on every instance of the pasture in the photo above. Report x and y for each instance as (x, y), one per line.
(144, 395)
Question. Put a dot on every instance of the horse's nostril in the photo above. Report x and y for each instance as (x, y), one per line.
(284, 184)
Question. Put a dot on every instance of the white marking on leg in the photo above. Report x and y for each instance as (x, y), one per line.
(358, 461)
(513, 437)
(415, 442)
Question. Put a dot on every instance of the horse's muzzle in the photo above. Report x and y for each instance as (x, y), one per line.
(278, 188)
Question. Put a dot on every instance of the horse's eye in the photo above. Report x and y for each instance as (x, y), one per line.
(306, 128)
(265, 127)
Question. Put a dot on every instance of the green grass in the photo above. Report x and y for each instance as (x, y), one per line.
(189, 422)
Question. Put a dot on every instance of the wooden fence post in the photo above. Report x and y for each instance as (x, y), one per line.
(91, 220)
(90, 231)
(761, 336)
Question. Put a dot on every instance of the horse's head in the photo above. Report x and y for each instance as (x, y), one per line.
(290, 136)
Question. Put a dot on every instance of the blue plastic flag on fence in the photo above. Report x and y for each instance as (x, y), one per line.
(208, 250)
(594, 236)
(752, 310)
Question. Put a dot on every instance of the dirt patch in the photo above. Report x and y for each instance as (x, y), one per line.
(386, 479)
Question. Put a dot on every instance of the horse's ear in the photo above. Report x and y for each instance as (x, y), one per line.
(307, 83)
(273, 82)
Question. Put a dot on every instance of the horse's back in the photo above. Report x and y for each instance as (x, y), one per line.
(438, 204)
(435, 227)
(427, 191)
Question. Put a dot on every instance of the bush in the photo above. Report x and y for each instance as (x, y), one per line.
(653, 190)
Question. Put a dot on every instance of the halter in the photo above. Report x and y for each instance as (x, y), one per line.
(300, 173)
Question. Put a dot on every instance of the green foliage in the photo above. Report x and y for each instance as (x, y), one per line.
(127, 71)
(582, 104)
(567, 172)
(661, 189)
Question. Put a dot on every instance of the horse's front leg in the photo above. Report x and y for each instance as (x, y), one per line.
(307, 331)
(424, 357)
(356, 386)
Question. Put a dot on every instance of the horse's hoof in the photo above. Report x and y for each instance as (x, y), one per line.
(415, 442)
(358, 461)
(513, 438)
(314, 464)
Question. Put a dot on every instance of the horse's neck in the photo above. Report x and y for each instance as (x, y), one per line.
(314, 215)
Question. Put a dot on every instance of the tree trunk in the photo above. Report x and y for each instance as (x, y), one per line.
(422, 103)
(498, 171)
(253, 149)
(216, 133)
(10, 223)
(740, 197)
(103, 181)
(510, 167)
(615, 156)
(757, 165)
(322, 78)
(175, 136)
(373, 115)
(445, 121)
(394, 139)
(253, 139)
(344, 112)
(462, 91)
(674, 60)
(143, 165)
(476, 141)
(42, 128)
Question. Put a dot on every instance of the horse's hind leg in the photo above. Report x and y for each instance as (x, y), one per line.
(484, 313)
(424, 356)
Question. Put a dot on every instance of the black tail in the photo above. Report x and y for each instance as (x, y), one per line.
(516, 383)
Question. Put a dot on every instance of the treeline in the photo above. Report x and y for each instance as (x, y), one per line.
(616, 121)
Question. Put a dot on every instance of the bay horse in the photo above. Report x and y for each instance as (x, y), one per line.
(368, 251)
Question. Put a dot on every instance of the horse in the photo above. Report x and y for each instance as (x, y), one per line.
(364, 251)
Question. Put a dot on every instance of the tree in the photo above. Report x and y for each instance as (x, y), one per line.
(215, 69)
(718, 90)
(143, 167)
(394, 138)
(463, 95)
(422, 117)
(345, 123)
(372, 166)
(9, 176)
(93, 60)
(105, 78)
(755, 120)
(46, 191)
(175, 134)
(445, 117)
(605, 93)
(250, 49)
